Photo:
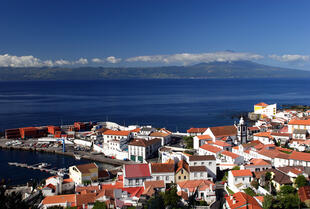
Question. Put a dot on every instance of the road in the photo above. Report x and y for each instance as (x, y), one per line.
(220, 196)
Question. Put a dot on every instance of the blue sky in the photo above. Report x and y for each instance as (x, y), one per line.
(159, 32)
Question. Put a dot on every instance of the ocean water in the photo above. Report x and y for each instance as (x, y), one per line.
(174, 104)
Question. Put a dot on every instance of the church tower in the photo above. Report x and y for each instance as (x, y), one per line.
(242, 131)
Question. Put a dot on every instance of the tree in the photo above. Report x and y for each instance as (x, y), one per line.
(288, 201)
(156, 202)
(301, 181)
(236, 168)
(254, 184)
(171, 198)
(99, 205)
(287, 189)
(268, 202)
(189, 142)
(268, 176)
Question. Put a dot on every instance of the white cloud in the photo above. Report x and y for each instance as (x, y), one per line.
(290, 57)
(113, 59)
(110, 59)
(7, 60)
(97, 60)
(81, 61)
(187, 58)
(62, 62)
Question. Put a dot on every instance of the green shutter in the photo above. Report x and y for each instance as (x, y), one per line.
(140, 158)
(133, 158)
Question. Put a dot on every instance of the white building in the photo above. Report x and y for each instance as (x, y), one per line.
(265, 109)
(206, 189)
(139, 150)
(239, 179)
(136, 174)
(163, 171)
(200, 140)
(208, 161)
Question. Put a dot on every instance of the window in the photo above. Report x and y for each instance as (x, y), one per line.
(182, 171)
(157, 178)
(195, 174)
(184, 177)
(210, 163)
(179, 177)
(201, 174)
(202, 163)
(167, 178)
(195, 163)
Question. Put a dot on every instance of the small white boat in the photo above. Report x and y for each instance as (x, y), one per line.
(77, 157)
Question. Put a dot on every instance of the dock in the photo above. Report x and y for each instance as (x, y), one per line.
(41, 167)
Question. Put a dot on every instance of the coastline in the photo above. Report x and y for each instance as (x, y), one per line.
(84, 155)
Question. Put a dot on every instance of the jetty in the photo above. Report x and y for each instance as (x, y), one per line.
(41, 167)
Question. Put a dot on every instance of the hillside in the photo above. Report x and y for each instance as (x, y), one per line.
(239, 69)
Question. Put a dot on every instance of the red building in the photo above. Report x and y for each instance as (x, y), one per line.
(12, 133)
(53, 129)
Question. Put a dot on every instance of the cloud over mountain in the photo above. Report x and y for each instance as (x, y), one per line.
(290, 57)
(187, 58)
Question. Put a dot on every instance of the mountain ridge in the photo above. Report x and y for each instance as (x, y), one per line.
(212, 70)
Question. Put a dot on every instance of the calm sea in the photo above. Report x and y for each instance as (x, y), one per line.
(174, 104)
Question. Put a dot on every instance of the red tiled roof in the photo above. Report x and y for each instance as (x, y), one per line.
(256, 161)
(211, 148)
(263, 134)
(241, 200)
(299, 122)
(302, 156)
(144, 143)
(254, 128)
(230, 154)
(196, 130)
(70, 198)
(116, 133)
(85, 199)
(221, 143)
(192, 185)
(220, 131)
(182, 164)
(162, 168)
(85, 168)
(304, 193)
(201, 157)
(137, 170)
(67, 180)
(134, 191)
(159, 134)
(202, 137)
(262, 104)
(241, 172)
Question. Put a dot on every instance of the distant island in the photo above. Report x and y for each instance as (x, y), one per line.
(237, 69)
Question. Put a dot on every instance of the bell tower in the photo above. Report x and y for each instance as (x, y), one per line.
(242, 131)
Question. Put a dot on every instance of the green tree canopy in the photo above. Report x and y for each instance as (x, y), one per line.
(301, 181)
(99, 205)
(287, 189)
(171, 198)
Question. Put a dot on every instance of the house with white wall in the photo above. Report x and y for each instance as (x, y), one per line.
(134, 175)
(162, 171)
(209, 161)
(140, 150)
(200, 140)
(239, 179)
(205, 189)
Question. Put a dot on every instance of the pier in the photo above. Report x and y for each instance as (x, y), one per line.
(42, 167)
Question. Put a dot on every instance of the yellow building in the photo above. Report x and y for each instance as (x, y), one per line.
(84, 174)
(265, 110)
(182, 172)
